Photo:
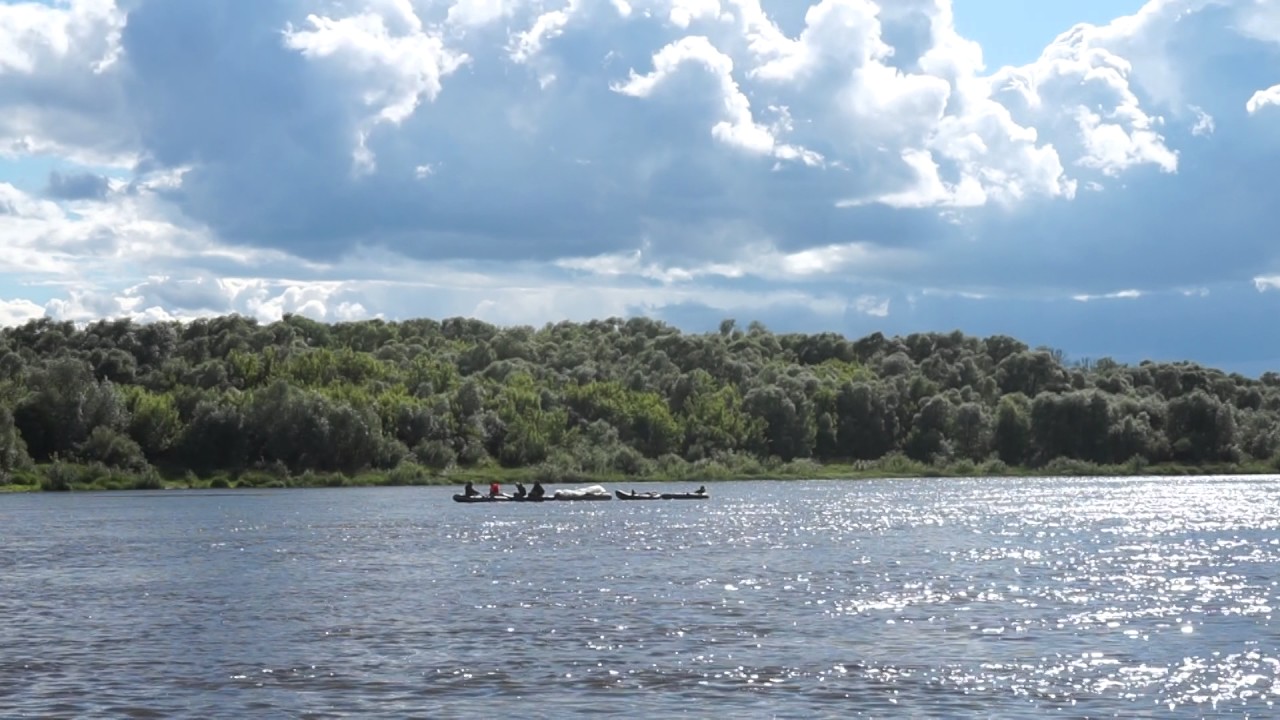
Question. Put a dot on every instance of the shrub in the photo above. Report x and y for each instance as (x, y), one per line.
(707, 469)
(1071, 467)
(472, 454)
(148, 479)
(435, 454)
(113, 449)
(672, 467)
(628, 461)
(408, 473)
(802, 468)
(1137, 464)
(995, 467)
(556, 470)
(895, 463)
(59, 477)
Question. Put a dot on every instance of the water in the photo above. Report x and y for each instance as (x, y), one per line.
(1149, 597)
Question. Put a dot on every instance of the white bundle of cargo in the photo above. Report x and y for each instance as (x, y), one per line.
(580, 493)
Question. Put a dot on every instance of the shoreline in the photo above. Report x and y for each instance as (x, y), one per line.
(81, 478)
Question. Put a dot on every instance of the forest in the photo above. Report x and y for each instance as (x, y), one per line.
(229, 401)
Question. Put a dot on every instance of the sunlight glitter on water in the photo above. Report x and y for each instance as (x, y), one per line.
(1095, 597)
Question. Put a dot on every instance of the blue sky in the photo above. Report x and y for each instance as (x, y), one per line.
(1015, 32)
(1092, 176)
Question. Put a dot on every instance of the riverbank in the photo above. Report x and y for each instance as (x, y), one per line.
(73, 477)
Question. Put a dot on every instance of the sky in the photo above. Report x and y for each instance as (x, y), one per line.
(1094, 176)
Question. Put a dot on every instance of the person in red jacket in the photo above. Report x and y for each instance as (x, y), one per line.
(494, 490)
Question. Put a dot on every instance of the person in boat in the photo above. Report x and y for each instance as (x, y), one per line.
(520, 491)
(702, 490)
(537, 492)
(470, 491)
(495, 489)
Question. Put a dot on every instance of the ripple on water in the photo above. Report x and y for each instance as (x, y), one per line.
(1141, 597)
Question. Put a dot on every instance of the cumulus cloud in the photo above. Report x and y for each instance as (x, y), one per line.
(1263, 98)
(16, 312)
(738, 128)
(397, 63)
(57, 85)
(527, 160)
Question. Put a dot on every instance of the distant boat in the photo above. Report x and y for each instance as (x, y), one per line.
(633, 495)
(591, 492)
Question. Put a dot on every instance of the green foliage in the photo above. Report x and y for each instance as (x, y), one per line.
(714, 419)
(897, 464)
(111, 448)
(63, 404)
(642, 418)
(13, 450)
(154, 422)
(408, 473)
(1012, 437)
(59, 477)
(302, 402)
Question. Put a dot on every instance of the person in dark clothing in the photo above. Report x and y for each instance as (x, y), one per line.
(520, 491)
(537, 492)
(471, 490)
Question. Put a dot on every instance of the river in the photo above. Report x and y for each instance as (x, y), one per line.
(1074, 597)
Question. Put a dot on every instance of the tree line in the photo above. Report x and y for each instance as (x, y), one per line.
(605, 398)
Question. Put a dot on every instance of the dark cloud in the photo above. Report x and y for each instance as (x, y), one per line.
(517, 171)
(77, 186)
(534, 162)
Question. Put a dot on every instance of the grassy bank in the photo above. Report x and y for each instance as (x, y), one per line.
(64, 476)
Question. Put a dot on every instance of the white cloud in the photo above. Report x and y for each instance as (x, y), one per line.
(685, 12)
(57, 85)
(1080, 90)
(480, 12)
(85, 31)
(816, 161)
(1263, 98)
(1265, 283)
(548, 25)
(764, 261)
(1118, 295)
(872, 305)
(739, 128)
(1259, 20)
(400, 63)
(1204, 124)
(929, 189)
(19, 311)
(1114, 147)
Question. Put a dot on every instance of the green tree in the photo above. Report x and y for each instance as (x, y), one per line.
(13, 451)
(1012, 436)
(64, 403)
(971, 431)
(154, 423)
(1201, 428)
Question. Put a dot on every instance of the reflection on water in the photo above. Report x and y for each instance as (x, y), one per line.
(1142, 597)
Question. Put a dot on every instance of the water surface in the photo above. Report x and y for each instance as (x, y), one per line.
(1147, 597)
